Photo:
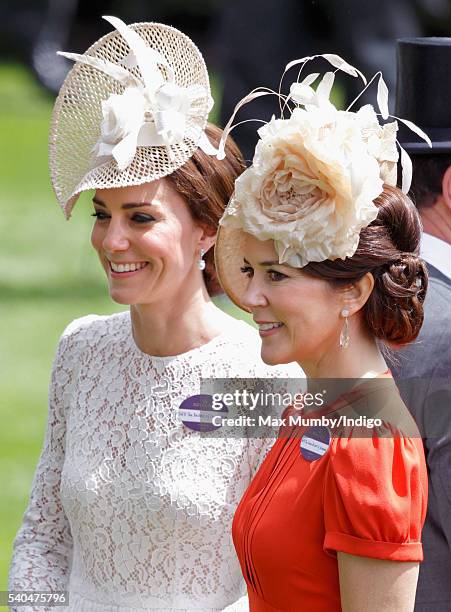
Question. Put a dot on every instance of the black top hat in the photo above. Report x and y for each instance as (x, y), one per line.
(423, 92)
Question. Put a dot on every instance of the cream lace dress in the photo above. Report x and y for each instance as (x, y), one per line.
(129, 509)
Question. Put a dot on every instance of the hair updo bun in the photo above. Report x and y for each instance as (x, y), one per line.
(388, 248)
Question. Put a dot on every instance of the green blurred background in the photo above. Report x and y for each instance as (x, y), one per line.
(50, 275)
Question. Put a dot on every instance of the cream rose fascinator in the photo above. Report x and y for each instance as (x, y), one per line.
(313, 177)
(132, 109)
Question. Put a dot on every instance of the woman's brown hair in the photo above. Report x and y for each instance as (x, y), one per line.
(388, 248)
(207, 185)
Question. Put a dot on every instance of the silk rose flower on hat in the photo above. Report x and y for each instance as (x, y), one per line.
(314, 175)
(313, 180)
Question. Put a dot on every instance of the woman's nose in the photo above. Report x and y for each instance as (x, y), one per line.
(254, 297)
(116, 238)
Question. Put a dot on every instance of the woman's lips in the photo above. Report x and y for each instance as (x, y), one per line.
(270, 332)
(128, 274)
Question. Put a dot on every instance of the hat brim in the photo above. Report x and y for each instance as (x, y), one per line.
(440, 139)
(229, 249)
(422, 148)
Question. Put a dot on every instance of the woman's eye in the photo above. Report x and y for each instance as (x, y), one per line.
(140, 218)
(276, 276)
(247, 270)
(100, 215)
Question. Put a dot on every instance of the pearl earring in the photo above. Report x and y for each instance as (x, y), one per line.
(344, 335)
(200, 261)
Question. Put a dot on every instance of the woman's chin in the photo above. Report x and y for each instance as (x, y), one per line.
(275, 356)
(271, 357)
(122, 297)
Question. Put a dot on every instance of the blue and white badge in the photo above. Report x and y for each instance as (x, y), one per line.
(315, 443)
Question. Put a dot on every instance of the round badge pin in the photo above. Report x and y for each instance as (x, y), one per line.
(197, 413)
(315, 443)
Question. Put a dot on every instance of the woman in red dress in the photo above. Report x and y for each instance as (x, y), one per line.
(321, 247)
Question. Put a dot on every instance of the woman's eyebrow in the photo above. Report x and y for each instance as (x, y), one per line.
(264, 263)
(97, 201)
(124, 206)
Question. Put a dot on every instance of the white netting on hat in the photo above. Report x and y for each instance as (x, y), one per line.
(77, 116)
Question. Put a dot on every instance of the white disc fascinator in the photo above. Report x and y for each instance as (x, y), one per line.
(314, 176)
(132, 109)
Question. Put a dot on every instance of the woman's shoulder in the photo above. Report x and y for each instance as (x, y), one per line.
(377, 435)
(91, 328)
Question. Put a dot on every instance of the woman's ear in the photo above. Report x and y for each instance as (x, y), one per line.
(207, 238)
(356, 295)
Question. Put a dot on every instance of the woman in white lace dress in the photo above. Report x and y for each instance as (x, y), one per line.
(129, 509)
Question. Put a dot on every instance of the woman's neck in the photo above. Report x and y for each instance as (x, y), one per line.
(361, 358)
(437, 220)
(339, 370)
(176, 326)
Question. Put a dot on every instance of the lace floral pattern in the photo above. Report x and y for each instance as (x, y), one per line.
(130, 510)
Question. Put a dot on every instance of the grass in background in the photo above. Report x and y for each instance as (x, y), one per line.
(50, 275)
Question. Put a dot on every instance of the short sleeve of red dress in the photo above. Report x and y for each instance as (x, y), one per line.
(375, 497)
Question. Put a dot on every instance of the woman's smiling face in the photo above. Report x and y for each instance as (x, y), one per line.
(147, 242)
(298, 315)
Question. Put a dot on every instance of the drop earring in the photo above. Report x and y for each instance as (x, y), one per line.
(344, 335)
(200, 261)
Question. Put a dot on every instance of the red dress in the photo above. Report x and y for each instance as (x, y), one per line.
(364, 496)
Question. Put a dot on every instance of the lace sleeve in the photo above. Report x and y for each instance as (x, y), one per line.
(42, 547)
